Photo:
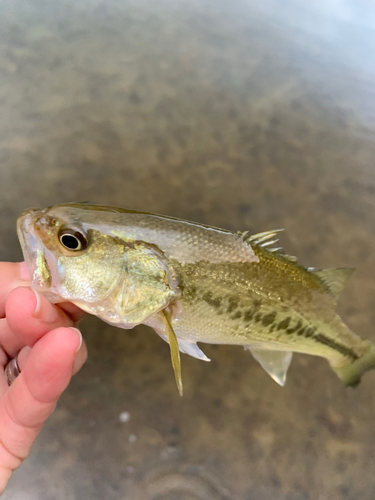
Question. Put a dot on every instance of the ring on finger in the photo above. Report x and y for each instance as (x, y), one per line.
(12, 370)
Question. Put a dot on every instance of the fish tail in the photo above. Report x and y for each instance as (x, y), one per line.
(351, 371)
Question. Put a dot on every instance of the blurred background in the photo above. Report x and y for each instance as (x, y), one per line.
(245, 115)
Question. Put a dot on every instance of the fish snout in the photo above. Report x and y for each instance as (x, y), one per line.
(27, 237)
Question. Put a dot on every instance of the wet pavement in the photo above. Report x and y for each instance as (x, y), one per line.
(244, 115)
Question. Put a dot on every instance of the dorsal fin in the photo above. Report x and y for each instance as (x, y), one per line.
(334, 279)
(265, 240)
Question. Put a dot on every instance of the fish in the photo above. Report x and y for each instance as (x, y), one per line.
(192, 283)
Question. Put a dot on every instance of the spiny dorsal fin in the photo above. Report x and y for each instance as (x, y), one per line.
(334, 279)
(265, 240)
(261, 237)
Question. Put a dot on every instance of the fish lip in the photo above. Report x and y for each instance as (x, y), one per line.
(29, 211)
(26, 235)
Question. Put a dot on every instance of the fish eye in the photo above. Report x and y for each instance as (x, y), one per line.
(73, 240)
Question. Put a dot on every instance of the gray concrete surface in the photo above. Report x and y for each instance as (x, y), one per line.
(246, 115)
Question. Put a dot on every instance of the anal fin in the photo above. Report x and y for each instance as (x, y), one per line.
(275, 363)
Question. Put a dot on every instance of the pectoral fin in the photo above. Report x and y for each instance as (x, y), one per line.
(175, 352)
(276, 363)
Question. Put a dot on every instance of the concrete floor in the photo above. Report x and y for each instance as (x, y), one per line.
(246, 115)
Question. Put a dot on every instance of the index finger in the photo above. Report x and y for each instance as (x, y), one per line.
(29, 316)
(16, 274)
(12, 275)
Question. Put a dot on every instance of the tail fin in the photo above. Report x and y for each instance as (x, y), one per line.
(351, 372)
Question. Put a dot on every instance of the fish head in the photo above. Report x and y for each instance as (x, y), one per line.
(67, 260)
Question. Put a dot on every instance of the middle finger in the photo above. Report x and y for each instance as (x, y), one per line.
(13, 275)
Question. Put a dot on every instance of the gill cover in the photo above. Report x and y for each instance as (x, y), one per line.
(147, 286)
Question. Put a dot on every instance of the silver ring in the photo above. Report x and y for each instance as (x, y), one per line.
(12, 370)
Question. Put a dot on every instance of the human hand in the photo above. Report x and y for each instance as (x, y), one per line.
(50, 350)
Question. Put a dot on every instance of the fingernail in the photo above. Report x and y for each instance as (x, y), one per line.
(24, 272)
(80, 338)
(38, 303)
(47, 313)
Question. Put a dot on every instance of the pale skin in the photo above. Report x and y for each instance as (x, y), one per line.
(50, 350)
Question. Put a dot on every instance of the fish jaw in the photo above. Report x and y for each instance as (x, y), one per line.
(38, 258)
(28, 240)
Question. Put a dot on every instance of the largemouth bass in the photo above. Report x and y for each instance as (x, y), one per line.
(192, 283)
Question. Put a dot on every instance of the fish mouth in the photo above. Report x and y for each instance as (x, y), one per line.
(27, 237)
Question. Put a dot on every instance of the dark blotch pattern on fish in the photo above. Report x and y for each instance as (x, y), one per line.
(258, 317)
(293, 329)
(237, 315)
(188, 293)
(257, 303)
(301, 330)
(283, 325)
(269, 318)
(346, 351)
(249, 315)
(310, 332)
(216, 302)
(233, 304)
(212, 301)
